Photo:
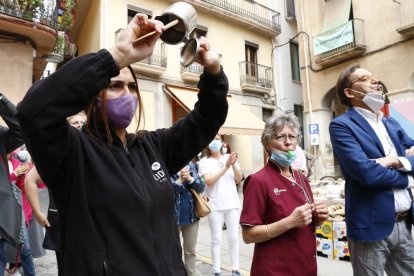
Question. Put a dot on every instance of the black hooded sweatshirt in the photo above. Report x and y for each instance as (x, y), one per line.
(116, 203)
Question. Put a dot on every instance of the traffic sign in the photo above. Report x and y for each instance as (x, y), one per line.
(313, 129)
(314, 139)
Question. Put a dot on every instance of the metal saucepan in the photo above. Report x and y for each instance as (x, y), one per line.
(187, 17)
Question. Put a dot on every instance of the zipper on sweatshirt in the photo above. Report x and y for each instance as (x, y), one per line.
(104, 268)
(151, 207)
(154, 237)
(131, 162)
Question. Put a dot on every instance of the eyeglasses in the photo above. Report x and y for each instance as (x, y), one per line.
(283, 136)
(117, 86)
(365, 78)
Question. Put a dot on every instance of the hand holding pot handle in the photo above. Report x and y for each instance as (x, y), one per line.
(125, 52)
(208, 57)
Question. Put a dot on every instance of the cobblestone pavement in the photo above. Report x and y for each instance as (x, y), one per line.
(46, 266)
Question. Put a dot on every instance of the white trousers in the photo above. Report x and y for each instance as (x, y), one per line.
(216, 219)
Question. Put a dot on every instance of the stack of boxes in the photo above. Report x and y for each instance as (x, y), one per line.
(331, 240)
(324, 239)
(340, 241)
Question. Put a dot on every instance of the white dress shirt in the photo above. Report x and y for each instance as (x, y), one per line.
(402, 198)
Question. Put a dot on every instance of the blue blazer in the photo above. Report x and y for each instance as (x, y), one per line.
(369, 199)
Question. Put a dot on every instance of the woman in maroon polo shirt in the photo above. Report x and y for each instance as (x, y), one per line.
(279, 214)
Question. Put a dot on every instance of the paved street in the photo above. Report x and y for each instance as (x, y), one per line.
(46, 266)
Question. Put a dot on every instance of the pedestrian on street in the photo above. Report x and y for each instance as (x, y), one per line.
(32, 247)
(376, 157)
(221, 172)
(187, 221)
(51, 221)
(11, 211)
(114, 193)
(279, 214)
(300, 162)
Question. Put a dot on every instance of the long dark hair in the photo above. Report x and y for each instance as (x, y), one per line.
(94, 118)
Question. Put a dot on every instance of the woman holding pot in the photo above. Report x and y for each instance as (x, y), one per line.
(113, 188)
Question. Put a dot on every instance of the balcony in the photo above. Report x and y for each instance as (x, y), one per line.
(340, 44)
(247, 13)
(255, 77)
(39, 26)
(155, 64)
(191, 73)
(405, 16)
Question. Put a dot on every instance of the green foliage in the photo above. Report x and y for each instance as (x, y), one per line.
(9, 3)
(30, 5)
(61, 43)
(67, 19)
(30, 8)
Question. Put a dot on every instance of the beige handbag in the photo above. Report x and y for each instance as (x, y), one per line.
(201, 204)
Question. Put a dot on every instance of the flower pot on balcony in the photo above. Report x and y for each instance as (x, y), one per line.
(60, 45)
(30, 8)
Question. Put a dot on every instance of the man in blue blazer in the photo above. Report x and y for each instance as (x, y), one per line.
(376, 158)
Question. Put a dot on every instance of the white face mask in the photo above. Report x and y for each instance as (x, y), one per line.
(224, 150)
(373, 100)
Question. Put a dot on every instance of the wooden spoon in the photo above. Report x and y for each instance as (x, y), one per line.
(169, 25)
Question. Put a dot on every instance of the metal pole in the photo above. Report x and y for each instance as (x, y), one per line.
(308, 89)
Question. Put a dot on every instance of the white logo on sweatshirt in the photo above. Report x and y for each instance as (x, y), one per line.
(159, 174)
(155, 166)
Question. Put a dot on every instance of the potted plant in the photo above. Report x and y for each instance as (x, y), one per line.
(67, 19)
(10, 5)
(61, 43)
(30, 8)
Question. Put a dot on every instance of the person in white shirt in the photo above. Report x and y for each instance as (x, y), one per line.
(300, 161)
(221, 172)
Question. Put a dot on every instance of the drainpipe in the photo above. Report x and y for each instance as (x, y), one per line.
(272, 40)
(305, 49)
(308, 89)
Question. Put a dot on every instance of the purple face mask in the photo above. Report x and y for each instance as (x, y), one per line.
(120, 110)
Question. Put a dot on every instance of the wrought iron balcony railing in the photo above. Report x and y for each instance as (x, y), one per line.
(158, 57)
(250, 9)
(255, 74)
(46, 14)
(193, 68)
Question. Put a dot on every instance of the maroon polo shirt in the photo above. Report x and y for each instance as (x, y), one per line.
(270, 197)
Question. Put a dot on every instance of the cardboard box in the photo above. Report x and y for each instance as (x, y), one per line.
(339, 230)
(324, 246)
(325, 230)
(341, 250)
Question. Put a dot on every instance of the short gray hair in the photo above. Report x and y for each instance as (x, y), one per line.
(275, 123)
